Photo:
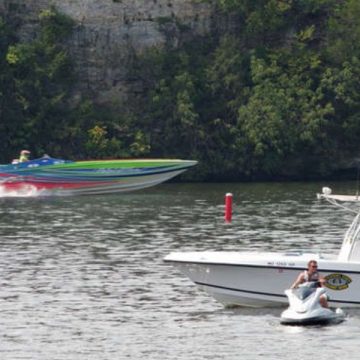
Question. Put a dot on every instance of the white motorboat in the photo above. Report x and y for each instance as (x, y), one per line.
(305, 308)
(258, 279)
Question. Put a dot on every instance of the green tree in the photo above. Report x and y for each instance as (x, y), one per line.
(285, 116)
(343, 33)
(42, 76)
(10, 111)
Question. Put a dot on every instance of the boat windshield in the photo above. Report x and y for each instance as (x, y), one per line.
(350, 248)
(39, 162)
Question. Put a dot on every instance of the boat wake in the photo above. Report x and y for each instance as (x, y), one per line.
(24, 191)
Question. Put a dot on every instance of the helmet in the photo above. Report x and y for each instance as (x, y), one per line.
(23, 152)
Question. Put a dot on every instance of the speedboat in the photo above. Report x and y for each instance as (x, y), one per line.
(258, 279)
(66, 177)
(305, 309)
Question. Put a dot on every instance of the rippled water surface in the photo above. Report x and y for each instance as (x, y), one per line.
(83, 277)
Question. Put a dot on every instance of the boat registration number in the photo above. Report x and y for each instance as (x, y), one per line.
(281, 263)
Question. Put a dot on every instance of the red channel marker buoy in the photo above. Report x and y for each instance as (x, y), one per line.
(228, 207)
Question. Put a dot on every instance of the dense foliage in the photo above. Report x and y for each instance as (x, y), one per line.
(274, 93)
(36, 107)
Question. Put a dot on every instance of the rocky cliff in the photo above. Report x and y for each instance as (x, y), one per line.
(109, 33)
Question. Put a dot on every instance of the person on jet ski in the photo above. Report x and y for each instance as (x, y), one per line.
(311, 274)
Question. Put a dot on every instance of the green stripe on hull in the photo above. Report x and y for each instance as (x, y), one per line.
(118, 164)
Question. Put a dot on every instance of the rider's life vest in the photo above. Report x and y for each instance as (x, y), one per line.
(313, 277)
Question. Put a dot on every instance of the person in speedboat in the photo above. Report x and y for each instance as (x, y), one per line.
(24, 155)
(312, 274)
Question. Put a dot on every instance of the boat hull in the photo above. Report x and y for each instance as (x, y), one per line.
(320, 320)
(59, 177)
(259, 279)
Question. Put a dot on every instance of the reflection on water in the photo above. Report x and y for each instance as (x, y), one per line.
(83, 277)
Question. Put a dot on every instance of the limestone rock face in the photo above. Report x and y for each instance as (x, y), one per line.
(109, 33)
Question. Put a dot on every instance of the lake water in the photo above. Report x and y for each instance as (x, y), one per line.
(83, 277)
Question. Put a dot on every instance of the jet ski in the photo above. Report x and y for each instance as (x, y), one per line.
(305, 308)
